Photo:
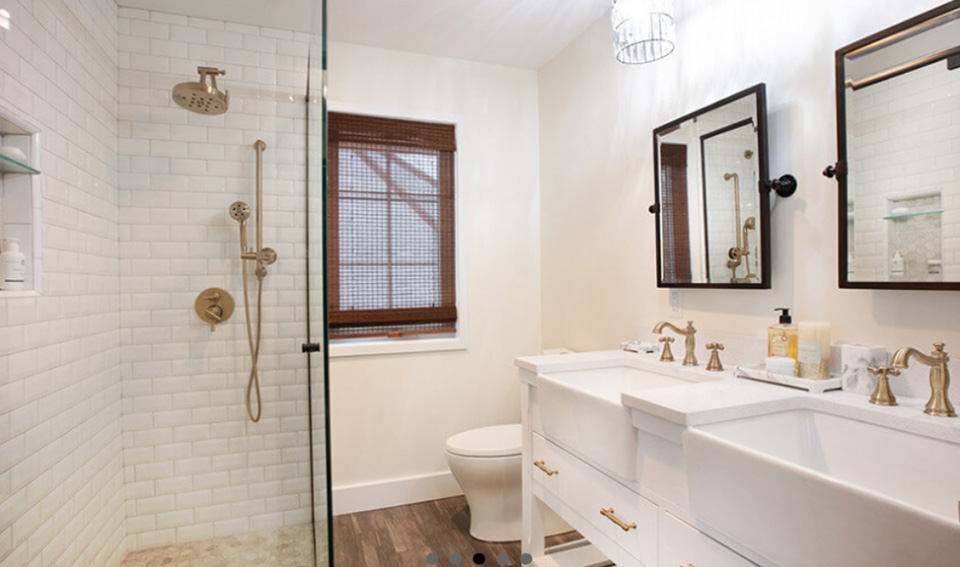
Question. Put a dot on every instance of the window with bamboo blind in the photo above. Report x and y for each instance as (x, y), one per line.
(674, 218)
(391, 245)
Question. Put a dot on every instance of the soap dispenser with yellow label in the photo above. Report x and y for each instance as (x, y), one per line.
(782, 337)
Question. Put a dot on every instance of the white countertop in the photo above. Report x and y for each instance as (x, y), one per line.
(731, 398)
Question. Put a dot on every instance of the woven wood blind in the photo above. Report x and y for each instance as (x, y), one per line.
(390, 227)
(674, 217)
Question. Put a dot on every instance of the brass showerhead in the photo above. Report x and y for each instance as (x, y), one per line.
(201, 97)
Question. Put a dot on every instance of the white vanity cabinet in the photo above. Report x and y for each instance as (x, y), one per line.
(683, 545)
(599, 507)
(707, 470)
(633, 522)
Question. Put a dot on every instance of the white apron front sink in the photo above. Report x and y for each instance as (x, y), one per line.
(809, 489)
(581, 410)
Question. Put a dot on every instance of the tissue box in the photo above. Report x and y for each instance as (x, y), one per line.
(854, 360)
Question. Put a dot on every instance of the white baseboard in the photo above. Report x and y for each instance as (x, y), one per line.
(393, 492)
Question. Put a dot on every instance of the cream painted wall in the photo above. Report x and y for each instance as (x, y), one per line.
(390, 414)
(596, 118)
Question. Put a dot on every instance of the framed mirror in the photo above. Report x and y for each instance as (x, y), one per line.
(898, 168)
(712, 211)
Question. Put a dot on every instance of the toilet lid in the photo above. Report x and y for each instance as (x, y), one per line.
(495, 441)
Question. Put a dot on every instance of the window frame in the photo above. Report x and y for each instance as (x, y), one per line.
(368, 346)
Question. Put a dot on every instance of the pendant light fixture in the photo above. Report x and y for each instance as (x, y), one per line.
(643, 30)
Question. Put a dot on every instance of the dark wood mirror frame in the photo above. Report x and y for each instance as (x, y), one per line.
(840, 170)
(763, 187)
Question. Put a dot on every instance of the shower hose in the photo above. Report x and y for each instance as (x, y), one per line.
(253, 384)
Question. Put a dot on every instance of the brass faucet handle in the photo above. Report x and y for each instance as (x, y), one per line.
(883, 371)
(882, 394)
(667, 355)
(938, 352)
(690, 328)
(714, 365)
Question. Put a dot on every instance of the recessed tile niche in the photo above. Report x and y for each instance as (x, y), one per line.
(914, 232)
(20, 214)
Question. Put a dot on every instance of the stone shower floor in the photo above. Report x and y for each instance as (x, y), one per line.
(286, 547)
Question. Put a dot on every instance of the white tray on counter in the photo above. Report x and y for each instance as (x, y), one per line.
(757, 372)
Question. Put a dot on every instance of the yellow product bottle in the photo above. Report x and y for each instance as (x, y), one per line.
(782, 338)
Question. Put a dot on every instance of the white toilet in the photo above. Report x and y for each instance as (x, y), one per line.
(486, 464)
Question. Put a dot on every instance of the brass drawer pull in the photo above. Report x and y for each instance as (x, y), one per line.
(541, 466)
(608, 514)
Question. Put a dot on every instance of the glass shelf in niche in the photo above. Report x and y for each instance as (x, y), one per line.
(908, 215)
(10, 165)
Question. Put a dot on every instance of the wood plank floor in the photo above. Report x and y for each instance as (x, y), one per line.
(403, 536)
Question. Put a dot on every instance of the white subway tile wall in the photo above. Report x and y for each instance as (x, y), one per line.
(901, 154)
(61, 479)
(195, 466)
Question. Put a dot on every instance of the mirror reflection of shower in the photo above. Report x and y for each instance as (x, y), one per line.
(262, 257)
(739, 254)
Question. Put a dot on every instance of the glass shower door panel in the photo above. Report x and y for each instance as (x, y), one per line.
(316, 343)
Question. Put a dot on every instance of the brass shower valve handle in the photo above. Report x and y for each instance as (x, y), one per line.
(882, 394)
(214, 306)
(714, 365)
(667, 355)
(216, 313)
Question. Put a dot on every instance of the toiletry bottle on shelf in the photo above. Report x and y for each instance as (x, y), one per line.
(896, 265)
(782, 337)
(813, 351)
(13, 266)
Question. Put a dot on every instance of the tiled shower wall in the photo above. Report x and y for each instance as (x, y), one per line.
(195, 466)
(61, 483)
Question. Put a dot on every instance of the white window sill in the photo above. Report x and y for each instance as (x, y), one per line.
(376, 347)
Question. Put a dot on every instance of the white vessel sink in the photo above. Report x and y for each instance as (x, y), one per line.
(581, 410)
(806, 488)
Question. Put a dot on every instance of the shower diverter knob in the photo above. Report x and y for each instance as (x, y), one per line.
(214, 306)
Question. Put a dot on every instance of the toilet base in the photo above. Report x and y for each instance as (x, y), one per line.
(491, 486)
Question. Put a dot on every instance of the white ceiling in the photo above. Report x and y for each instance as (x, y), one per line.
(517, 33)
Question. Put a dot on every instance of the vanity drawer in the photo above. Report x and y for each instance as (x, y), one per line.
(546, 475)
(586, 492)
(684, 545)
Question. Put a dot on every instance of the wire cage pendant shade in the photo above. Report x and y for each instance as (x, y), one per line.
(643, 30)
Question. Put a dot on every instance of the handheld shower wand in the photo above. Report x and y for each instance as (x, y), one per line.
(240, 212)
(263, 257)
(737, 254)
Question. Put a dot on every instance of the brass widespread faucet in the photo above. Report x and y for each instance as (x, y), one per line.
(938, 404)
(689, 358)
